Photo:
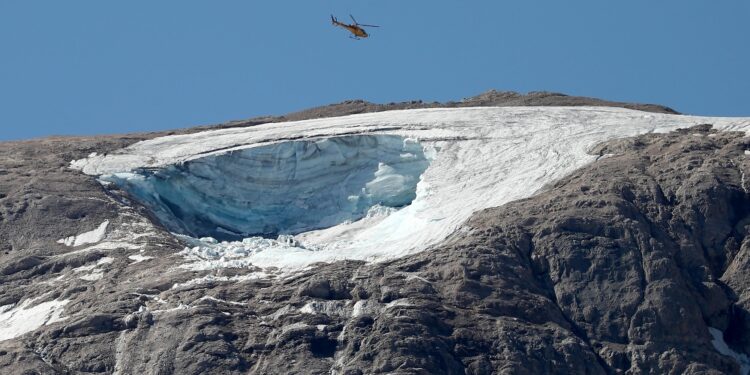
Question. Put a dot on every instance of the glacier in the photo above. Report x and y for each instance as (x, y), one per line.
(280, 189)
(420, 175)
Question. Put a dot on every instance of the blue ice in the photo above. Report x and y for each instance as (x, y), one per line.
(282, 188)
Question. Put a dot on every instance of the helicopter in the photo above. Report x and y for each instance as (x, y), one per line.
(355, 28)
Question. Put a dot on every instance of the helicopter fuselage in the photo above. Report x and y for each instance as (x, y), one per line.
(354, 29)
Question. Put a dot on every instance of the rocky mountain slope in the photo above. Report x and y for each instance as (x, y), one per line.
(635, 263)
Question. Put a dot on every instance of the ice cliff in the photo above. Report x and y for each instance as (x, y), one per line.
(283, 188)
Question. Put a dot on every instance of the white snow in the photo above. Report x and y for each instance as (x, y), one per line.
(137, 258)
(331, 308)
(17, 320)
(132, 233)
(211, 298)
(94, 276)
(154, 297)
(97, 274)
(89, 237)
(179, 307)
(398, 302)
(104, 260)
(366, 307)
(742, 175)
(721, 346)
(211, 278)
(478, 158)
(84, 268)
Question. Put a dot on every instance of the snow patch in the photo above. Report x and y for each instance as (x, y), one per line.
(89, 237)
(330, 308)
(94, 276)
(104, 260)
(137, 258)
(97, 274)
(210, 298)
(366, 307)
(399, 302)
(721, 346)
(154, 297)
(131, 235)
(17, 320)
(211, 278)
(179, 307)
(742, 175)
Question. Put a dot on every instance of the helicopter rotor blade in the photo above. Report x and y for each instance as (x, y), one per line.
(359, 24)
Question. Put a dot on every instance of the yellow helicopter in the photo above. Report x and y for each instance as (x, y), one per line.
(355, 28)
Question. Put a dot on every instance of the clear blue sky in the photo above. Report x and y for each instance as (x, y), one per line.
(98, 67)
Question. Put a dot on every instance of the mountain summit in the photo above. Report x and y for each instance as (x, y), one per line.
(504, 233)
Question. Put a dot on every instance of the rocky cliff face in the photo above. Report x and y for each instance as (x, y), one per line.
(621, 267)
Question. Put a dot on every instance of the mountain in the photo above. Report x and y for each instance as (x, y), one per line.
(504, 233)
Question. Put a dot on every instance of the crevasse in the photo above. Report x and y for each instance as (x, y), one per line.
(284, 188)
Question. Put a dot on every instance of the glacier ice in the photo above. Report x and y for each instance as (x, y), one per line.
(282, 188)
(478, 158)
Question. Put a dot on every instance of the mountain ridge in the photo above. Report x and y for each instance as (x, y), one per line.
(620, 267)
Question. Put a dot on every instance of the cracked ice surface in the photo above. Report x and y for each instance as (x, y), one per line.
(478, 158)
(284, 188)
